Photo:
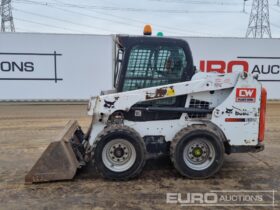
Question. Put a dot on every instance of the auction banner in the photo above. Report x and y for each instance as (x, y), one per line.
(54, 66)
(37, 66)
(224, 55)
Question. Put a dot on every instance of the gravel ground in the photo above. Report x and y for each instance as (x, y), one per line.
(26, 130)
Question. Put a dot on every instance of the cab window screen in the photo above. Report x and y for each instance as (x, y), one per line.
(153, 66)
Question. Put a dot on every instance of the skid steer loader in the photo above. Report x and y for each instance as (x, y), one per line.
(160, 106)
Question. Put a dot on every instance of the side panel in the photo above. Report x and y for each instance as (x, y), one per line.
(104, 106)
(238, 115)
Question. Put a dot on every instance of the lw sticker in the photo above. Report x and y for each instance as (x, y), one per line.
(246, 95)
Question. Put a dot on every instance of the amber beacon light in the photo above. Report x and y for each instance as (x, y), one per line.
(147, 30)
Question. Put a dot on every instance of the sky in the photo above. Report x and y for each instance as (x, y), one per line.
(207, 18)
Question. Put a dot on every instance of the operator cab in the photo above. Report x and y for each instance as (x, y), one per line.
(145, 61)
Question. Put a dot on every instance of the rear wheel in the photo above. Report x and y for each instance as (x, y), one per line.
(197, 152)
(119, 153)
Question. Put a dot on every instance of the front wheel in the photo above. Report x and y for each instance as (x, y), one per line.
(197, 152)
(119, 153)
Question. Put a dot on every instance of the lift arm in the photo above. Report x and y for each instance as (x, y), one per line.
(105, 105)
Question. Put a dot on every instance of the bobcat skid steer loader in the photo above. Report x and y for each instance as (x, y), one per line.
(160, 106)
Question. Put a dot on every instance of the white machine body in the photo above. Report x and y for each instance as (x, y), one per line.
(233, 98)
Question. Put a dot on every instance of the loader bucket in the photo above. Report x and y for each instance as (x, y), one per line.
(58, 161)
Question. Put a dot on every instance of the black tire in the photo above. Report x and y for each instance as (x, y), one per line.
(108, 135)
(190, 136)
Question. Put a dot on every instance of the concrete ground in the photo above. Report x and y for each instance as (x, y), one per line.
(26, 130)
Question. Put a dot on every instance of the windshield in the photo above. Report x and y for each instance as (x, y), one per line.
(150, 66)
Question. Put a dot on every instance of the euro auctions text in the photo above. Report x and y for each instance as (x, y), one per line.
(223, 198)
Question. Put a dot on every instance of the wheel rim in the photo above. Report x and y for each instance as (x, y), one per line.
(199, 154)
(118, 155)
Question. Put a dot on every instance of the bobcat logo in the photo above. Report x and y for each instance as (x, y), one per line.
(229, 111)
(110, 104)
